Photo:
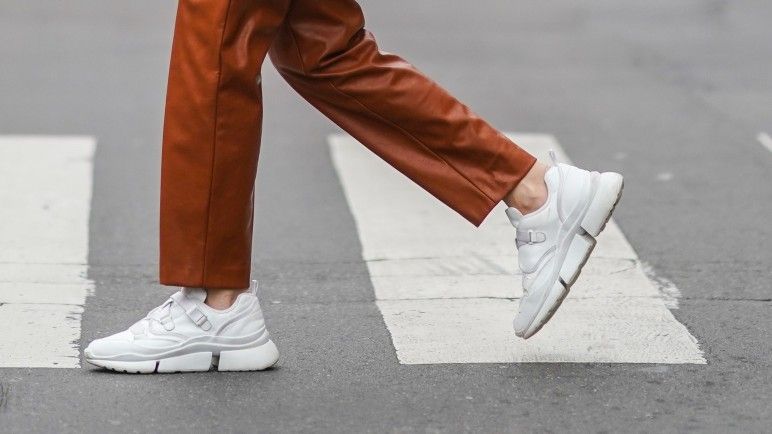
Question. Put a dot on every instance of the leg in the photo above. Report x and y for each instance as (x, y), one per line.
(212, 139)
(211, 142)
(325, 53)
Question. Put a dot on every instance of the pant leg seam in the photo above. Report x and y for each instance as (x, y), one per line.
(214, 143)
(294, 39)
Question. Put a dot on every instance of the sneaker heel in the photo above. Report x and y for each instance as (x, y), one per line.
(250, 359)
(603, 203)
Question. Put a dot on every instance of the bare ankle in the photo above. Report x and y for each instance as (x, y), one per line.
(531, 193)
(222, 298)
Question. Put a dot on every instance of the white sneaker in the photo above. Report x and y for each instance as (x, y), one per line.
(186, 335)
(556, 240)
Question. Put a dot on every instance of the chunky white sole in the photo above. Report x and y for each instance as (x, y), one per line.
(249, 359)
(598, 213)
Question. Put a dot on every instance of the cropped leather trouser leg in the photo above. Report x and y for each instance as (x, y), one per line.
(213, 124)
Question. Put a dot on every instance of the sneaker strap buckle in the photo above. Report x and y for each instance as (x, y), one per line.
(531, 237)
(192, 311)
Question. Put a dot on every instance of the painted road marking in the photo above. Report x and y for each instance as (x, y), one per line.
(765, 140)
(45, 189)
(448, 291)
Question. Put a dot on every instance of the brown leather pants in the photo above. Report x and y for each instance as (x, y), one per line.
(213, 124)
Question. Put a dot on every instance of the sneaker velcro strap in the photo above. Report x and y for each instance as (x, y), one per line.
(197, 316)
(531, 237)
(192, 311)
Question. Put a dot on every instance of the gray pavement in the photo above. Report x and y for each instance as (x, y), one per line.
(644, 88)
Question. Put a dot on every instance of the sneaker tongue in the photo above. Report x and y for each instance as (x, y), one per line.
(514, 216)
(197, 294)
(552, 178)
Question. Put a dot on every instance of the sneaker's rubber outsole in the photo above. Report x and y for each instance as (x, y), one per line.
(250, 359)
(593, 223)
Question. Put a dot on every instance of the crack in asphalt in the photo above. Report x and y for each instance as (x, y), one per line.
(5, 390)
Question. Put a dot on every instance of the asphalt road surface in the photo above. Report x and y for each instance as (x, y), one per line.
(675, 95)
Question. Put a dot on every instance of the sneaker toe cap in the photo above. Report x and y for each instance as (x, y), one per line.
(119, 343)
(526, 313)
(521, 323)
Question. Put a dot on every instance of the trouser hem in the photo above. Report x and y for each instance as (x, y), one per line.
(223, 278)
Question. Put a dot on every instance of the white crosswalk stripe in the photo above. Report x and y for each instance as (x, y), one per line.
(765, 140)
(448, 291)
(45, 189)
